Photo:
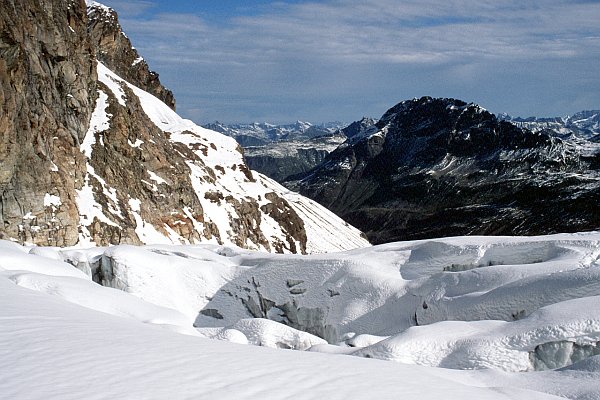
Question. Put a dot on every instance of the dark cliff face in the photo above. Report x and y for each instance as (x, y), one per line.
(442, 167)
(47, 92)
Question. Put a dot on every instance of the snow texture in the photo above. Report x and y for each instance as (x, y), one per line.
(487, 310)
(65, 337)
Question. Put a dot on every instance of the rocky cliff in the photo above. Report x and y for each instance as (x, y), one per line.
(47, 93)
(114, 49)
(442, 167)
(93, 153)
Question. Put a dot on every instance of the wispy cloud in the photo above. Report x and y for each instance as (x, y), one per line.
(336, 58)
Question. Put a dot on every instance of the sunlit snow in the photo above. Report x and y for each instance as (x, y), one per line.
(488, 310)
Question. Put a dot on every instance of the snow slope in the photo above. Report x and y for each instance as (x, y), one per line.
(216, 155)
(450, 316)
(53, 349)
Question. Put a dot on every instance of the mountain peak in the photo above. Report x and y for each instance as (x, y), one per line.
(434, 167)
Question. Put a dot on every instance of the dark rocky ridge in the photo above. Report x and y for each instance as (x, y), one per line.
(442, 167)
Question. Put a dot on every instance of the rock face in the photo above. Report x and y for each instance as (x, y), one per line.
(442, 167)
(47, 92)
(113, 48)
(91, 157)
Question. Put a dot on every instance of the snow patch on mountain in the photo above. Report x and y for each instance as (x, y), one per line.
(224, 187)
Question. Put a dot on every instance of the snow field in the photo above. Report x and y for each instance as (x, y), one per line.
(55, 350)
(364, 302)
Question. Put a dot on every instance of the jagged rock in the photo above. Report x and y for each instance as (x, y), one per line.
(442, 167)
(93, 158)
(114, 49)
(358, 127)
(47, 92)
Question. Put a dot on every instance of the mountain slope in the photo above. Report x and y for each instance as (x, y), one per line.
(442, 167)
(130, 170)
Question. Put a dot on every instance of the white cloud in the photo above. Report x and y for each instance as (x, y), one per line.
(291, 50)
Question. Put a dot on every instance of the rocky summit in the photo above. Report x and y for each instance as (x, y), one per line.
(441, 167)
(93, 153)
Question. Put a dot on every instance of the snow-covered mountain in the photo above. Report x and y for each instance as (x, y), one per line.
(283, 156)
(279, 151)
(481, 317)
(584, 124)
(111, 162)
(263, 133)
(442, 167)
(281, 160)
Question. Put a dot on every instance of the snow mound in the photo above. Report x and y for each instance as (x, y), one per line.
(544, 340)
(264, 332)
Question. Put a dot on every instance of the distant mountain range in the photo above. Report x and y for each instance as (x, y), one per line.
(584, 124)
(262, 133)
(283, 151)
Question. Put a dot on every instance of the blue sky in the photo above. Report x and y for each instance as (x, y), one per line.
(280, 61)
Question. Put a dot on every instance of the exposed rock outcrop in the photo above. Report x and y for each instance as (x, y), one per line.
(47, 92)
(92, 152)
(114, 49)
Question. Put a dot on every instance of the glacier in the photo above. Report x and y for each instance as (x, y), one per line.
(492, 317)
